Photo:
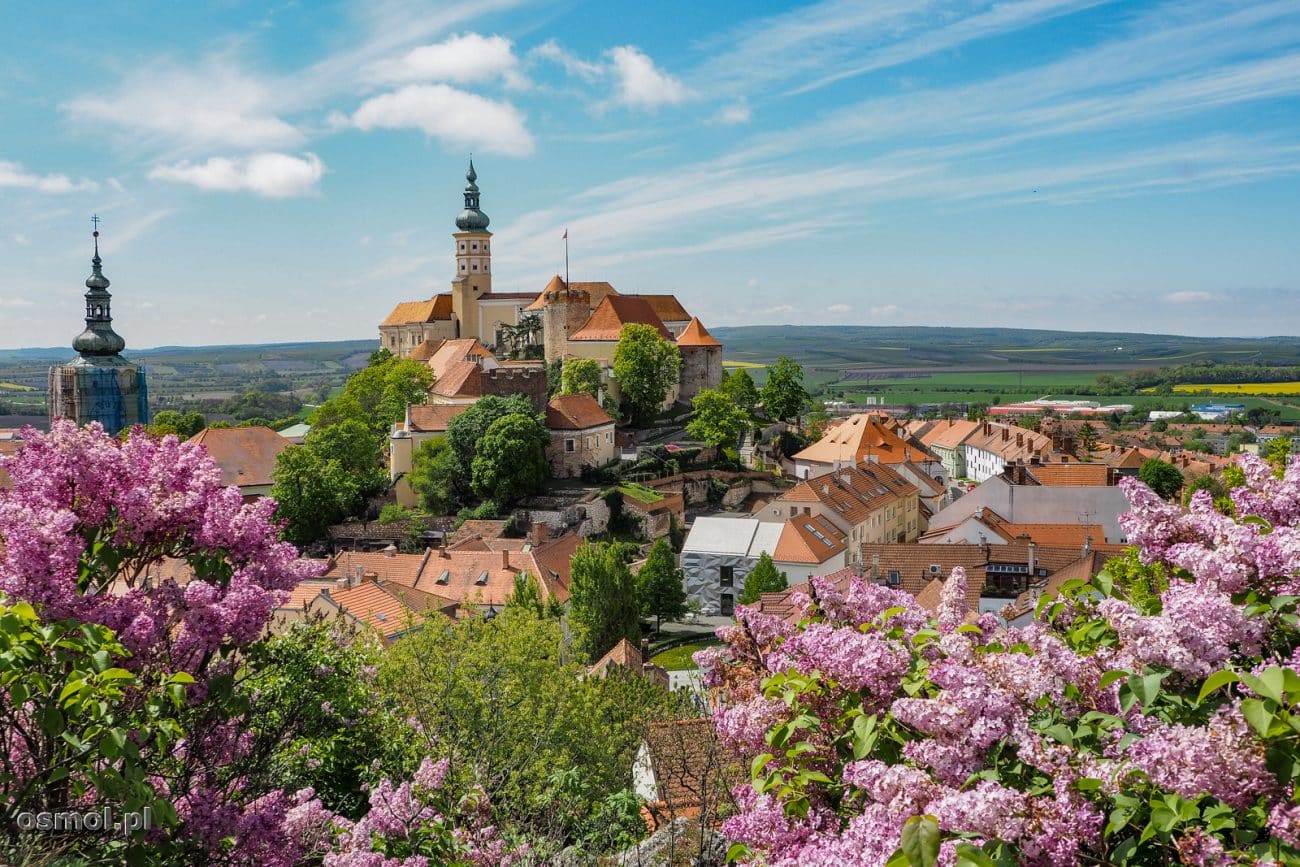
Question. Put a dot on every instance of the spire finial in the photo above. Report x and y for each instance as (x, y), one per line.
(94, 222)
(471, 175)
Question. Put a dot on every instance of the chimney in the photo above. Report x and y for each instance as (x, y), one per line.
(390, 550)
(1033, 561)
(1087, 545)
(408, 418)
(1020, 439)
(987, 429)
(538, 532)
(1006, 434)
(505, 558)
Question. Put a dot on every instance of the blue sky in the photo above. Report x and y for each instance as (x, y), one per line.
(290, 171)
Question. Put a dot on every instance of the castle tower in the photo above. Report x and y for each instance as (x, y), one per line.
(565, 309)
(473, 277)
(99, 384)
(701, 359)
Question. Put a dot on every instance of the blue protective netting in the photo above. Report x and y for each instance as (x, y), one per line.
(106, 405)
(142, 392)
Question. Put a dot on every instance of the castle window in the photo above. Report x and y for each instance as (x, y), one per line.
(475, 266)
(462, 246)
(568, 445)
(462, 266)
(474, 246)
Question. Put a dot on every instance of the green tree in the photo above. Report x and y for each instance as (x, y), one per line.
(582, 374)
(661, 590)
(1218, 492)
(311, 493)
(554, 377)
(465, 430)
(784, 396)
(603, 598)
(353, 445)
(508, 703)
(764, 578)
(510, 459)
(433, 476)
(1277, 452)
(1087, 437)
(183, 424)
(740, 387)
(646, 367)
(1161, 477)
(378, 394)
(717, 420)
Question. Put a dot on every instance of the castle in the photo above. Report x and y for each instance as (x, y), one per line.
(577, 319)
(99, 384)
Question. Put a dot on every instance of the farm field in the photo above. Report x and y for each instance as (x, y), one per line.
(1242, 388)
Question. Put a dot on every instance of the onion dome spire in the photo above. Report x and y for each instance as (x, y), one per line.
(99, 338)
(471, 219)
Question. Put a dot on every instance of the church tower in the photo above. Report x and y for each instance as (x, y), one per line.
(473, 277)
(99, 384)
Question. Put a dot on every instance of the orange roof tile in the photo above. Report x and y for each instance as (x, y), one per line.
(853, 492)
(575, 412)
(696, 334)
(459, 379)
(691, 766)
(1073, 474)
(861, 438)
(246, 455)
(434, 417)
(949, 434)
(596, 291)
(809, 539)
(411, 312)
(615, 311)
(666, 307)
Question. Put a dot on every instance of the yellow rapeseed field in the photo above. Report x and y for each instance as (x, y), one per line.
(1243, 387)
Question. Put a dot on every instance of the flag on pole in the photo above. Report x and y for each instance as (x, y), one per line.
(566, 234)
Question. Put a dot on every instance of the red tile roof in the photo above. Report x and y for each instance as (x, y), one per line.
(246, 455)
(853, 492)
(809, 539)
(575, 412)
(696, 334)
(412, 312)
(1072, 474)
(666, 307)
(434, 417)
(615, 311)
(861, 438)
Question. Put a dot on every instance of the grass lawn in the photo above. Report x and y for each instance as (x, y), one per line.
(679, 658)
(640, 493)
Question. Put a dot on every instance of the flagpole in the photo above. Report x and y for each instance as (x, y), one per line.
(566, 257)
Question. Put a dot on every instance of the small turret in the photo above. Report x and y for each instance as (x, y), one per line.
(565, 309)
(472, 219)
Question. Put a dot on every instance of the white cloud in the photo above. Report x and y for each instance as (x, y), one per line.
(551, 50)
(736, 113)
(838, 308)
(453, 116)
(885, 311)
(273, 175)
(1188, 297)
(641, 84)
(16, 302)
(214, 104)
(468, 59)
(13, 175)
(752, 283)
(778, 310)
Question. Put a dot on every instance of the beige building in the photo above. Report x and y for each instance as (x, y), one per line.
(422, 423)
(582, 435)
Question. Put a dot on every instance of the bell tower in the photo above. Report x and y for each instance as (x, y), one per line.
(473, 243)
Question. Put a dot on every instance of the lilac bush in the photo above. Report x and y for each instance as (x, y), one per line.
(1148, 716)
(91, 534)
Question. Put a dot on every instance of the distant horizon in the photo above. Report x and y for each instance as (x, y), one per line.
(291, 174)
(720, 329)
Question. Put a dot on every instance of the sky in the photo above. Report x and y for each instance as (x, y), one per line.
(284, 172)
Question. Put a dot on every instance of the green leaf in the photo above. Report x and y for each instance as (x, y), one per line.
(737, 851)
(1270, 689)
(864, 736)
(1216, 680)
(1258, 715)
(1110, 677)
(970, 855)
(920, 841)
(117, 674)
(756, 766)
